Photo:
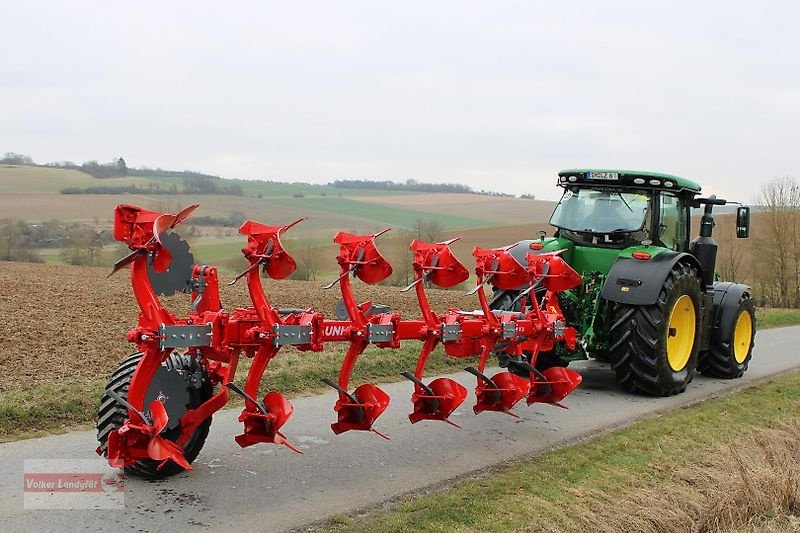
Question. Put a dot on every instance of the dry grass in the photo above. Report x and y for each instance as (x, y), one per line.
(727, 464)
(749, 484)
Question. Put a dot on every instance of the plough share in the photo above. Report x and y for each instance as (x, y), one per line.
(157, 409)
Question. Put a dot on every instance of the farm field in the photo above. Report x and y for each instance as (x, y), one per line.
(18, 179)
(69, 323)
(490, 209)
(37, 179)
(32, 194)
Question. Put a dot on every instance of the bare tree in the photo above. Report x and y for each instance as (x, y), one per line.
(308, 260)
(402, 258)
(779, 243)
(732, 258)
(428, 230)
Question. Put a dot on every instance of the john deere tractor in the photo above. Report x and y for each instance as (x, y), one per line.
(651, 303)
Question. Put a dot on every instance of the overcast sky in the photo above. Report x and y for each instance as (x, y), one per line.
(495, 94)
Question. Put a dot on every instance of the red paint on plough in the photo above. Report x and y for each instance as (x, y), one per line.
(216, 338)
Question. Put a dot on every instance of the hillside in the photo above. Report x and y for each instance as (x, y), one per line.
(32, 194)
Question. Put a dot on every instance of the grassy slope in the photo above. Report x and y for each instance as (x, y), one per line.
(681, 471)
(42, 180)
(390, 215)
(26, 179)
(32, 194)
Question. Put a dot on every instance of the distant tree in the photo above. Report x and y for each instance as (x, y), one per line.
(732, 256)
(15, 242)
(427, 230)
(122, 167)
(308, 260)
(236, 219)
(402, 258)
(12, 158)
(779, 243)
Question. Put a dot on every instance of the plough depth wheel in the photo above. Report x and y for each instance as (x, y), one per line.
(170, 382)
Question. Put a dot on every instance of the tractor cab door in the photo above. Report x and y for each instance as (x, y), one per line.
(672, 227)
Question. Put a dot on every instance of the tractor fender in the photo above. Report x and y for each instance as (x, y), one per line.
(635, 282)
(726, 303)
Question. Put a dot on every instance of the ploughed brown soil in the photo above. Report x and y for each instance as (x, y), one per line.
(68, 323)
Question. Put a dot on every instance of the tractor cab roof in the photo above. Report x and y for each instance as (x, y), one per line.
(626, 178)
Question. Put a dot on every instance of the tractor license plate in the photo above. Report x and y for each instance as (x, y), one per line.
(607, 176)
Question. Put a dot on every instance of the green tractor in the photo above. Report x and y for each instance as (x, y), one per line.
(651, 303)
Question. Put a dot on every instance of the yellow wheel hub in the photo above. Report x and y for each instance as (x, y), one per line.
(742, 336)
(681, 333)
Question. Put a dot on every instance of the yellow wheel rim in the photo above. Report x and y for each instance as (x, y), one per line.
(742, 336)
(681, 332)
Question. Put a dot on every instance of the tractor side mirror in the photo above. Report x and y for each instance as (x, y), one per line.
(743, 222)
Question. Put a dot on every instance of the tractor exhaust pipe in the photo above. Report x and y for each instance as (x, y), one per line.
(704, 247)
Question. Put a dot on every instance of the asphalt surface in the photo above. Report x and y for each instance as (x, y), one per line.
(269, 488)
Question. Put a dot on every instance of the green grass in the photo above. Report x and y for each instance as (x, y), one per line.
(274, 190)
(22, 179)
(556, 490)
(389, 215)
(44, 409)
(213, 252)
(774, 318)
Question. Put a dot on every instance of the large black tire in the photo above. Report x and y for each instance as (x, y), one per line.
(111, 415)
(729, 358)
(642, 354)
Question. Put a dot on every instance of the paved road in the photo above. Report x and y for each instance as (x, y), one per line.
(269, 488)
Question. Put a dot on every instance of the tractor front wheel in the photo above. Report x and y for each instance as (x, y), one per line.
(173, 377)
(654, 348)
(729, 357)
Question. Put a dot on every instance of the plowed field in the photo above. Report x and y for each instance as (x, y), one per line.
(69, 323)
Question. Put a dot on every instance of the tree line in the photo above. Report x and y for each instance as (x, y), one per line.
(77, 244)
(190, 185)
(411, 185)
(200, 183)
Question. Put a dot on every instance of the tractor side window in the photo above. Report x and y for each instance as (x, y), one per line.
(672, 230)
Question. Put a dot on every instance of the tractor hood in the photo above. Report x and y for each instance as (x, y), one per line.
(584, 259)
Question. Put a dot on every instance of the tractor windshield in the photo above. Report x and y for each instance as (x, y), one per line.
(601, 210)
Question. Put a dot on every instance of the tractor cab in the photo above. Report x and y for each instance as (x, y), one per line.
(620, 209)
(651, 302)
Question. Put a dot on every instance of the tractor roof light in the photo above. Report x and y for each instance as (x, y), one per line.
(641, 256)
(573, 179)
(639, 181)
(668, 184)
(655, 182)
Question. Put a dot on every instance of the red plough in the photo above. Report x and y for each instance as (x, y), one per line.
(164, 402)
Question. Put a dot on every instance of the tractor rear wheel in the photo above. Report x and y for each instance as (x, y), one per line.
(654, 348)
(728, 358)
(175, 368)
